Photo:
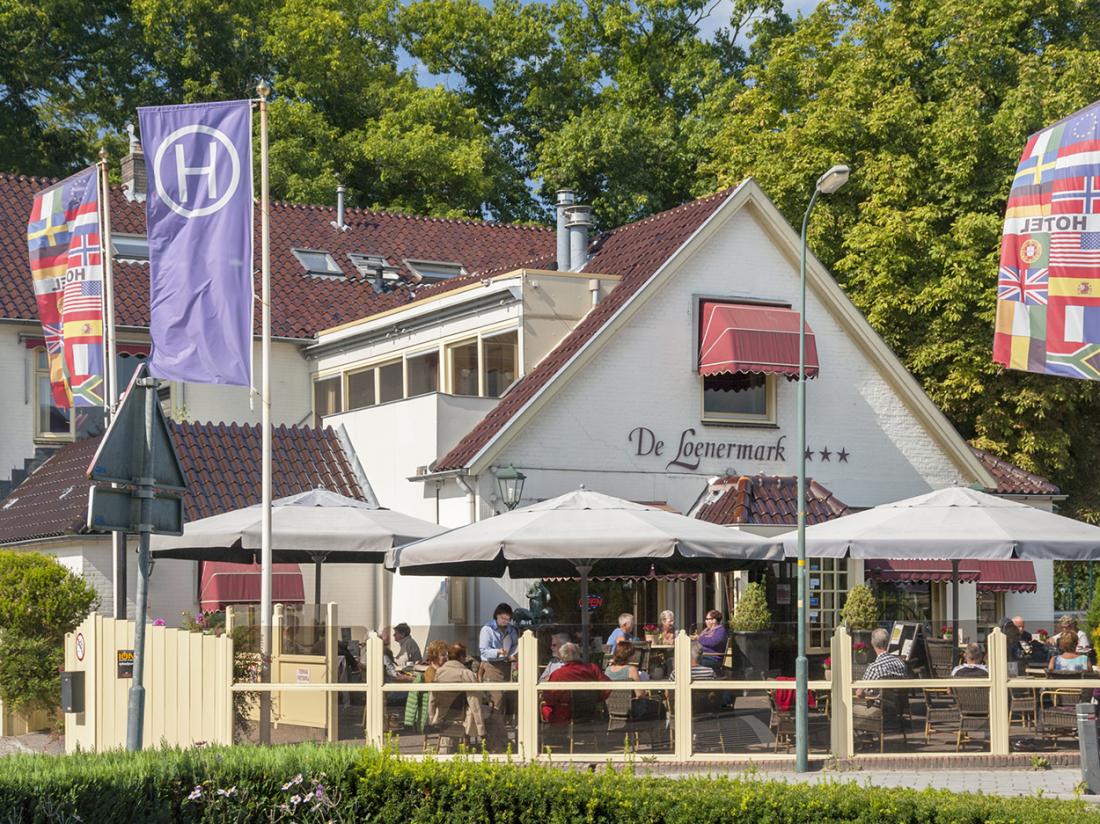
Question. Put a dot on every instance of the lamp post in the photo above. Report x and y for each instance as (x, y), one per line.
(510, 484)
(828, 183)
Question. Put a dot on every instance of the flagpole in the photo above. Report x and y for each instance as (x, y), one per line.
(110, 373)
(262, 90)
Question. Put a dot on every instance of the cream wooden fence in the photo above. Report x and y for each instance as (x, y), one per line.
(840, 690)
(188, 680)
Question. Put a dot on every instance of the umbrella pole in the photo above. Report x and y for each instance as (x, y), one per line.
(317, 580)
(584, 569)
(955, 602)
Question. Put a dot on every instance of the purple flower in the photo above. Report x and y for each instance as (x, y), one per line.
(319, 791)
(196, 793)
(158, 622)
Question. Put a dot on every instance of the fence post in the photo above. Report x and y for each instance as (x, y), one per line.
(332, 713)
(374, 712)
(228, 651)
(843, 743)
(997, 658)
(527, 724)
(682, 720)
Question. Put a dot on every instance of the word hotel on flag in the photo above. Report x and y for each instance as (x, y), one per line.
(1048, 286)
(65, 247)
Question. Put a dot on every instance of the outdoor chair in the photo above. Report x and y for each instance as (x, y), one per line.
(449, 731)
(621, 724)
(942, 657)
(584, 707)
(781, 724)
(706, 705)
(872, 720)
(941, 710)
(973, 713)
(1021, 704)
(1059, 719)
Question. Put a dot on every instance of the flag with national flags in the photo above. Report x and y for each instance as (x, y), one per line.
(66, 257)
(1048, 286)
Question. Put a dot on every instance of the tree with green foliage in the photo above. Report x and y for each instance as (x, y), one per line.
(931, 103)
(40, 601)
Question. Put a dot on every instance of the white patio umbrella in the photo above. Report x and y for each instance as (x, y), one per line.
(317, 526)
(950, 524)
(582, 534)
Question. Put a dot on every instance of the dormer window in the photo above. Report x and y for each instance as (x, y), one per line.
(434, 271)
(376, 269)
(130, 248)
(318, 262)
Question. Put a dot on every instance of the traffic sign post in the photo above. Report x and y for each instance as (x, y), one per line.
(137, 452)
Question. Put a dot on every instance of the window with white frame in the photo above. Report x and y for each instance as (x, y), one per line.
(828, 587)
(742, 397)
(462, 363)
(422, 373)
(327, 399)
(318, 262)
(500, 358)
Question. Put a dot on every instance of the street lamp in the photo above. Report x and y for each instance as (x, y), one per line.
(510, 483)
(828, 183)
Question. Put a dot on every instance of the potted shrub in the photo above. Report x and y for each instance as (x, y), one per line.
(751, 629)
(860, 614)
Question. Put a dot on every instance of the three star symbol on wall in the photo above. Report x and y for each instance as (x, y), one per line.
(826, 454)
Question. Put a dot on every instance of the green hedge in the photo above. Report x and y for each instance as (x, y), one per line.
(317, 783)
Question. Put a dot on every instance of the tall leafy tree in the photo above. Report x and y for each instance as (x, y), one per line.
(931, 102)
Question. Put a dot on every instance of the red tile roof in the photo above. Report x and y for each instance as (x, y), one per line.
(768, 499)
(222, 465)
(301, 305)
(1011, 479)
(635, 252)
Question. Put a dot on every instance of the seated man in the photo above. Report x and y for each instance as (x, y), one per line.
(557, 707)
(408, 651)
(972, 666)
(556, 641)
(886, 665)
(625, 631)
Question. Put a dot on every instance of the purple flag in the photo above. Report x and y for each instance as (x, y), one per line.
(199, 210)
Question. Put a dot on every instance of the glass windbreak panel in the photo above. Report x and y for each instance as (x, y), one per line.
(501, 356)
(606, 721)
(735, 396)
(947, 716)
(361, 389)
(449, 722)
(423, 373)
(464, 368)
(326, 398)
(391, 382)
(754, 722)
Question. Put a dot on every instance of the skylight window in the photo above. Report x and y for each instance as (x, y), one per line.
(130, 248)
(432, 271)
(318, 262)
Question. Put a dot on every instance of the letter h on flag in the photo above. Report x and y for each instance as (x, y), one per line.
(199, 209)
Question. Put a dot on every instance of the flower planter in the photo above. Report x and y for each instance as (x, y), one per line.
(753, 650)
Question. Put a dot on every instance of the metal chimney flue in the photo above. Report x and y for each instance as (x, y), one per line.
(577, 220)
(339, 222)
(565, 199)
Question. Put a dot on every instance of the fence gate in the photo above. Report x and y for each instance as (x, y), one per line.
(188, 677)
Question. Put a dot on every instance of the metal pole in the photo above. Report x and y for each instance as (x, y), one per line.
(143, 490)
(110, 376)
(584, 569)
(265, 421)
(801, 665)
(955, 637)
(317, 561)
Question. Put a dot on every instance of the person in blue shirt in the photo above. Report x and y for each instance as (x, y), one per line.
(624, 632)
(498, 640)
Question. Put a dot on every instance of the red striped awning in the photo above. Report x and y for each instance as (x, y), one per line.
(741, 337)
(990, 576)
(223, 584)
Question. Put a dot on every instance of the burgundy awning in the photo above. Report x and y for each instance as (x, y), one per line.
(990, 576)
(224, 583)
(741, 337)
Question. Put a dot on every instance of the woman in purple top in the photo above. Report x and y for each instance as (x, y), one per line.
(713, 639)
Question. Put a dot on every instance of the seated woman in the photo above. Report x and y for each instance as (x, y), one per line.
(442, 705)
(622, 668)
(713, 640)
(666, 627)
(557, 706)
(1069, 659)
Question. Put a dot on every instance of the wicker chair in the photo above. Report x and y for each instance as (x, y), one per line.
(941, 710)
(620, 725)
(871, 720)
(942, 657)
(973, 713)
(781, 723)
